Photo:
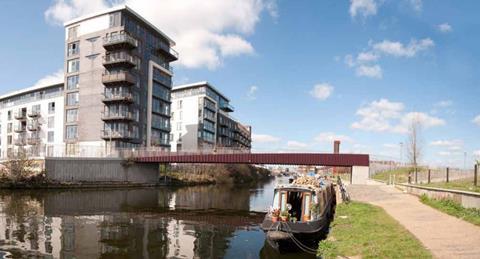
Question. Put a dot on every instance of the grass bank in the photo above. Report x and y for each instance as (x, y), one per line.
(192, 174)
(401, 174)
(453, 208)
(367, 231)
(462, 185)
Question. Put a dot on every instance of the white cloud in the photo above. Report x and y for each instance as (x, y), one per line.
(386, 116)
(365, 57)
(391, 146)
(206, 31)
(444, 27)
(444, 103)
(476, 120)
(55, 78)
(264, 138)
(398, 49)
(296, 145)
(322, 91)
(444, 153)
(374, 71)
(476, 153)
(252, 92)
(446, 143)
(362, 7)
(329, 137)
(416, 5)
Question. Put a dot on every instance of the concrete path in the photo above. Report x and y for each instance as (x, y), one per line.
(445, 236)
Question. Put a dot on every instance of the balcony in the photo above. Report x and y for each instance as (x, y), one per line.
(169, 53)
(121, 116)
(120, 41)
(34, 114)
(210, 106)
(125, 78)
(116, 135)
(119, 59)
(207, 128)
(33, 126)
(119, 97)
(20, 141)
(224, 132)
(33, 140)
(19, 128)
(209, 117)
(21, 115)
(226, 107)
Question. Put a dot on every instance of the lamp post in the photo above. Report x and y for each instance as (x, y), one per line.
(401, 153)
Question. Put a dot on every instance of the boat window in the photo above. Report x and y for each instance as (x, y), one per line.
(307, 199)
(283, 201)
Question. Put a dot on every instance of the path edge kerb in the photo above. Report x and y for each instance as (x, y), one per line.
(474, 194)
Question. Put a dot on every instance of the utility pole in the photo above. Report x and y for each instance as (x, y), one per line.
(401, 153)
(465, 161)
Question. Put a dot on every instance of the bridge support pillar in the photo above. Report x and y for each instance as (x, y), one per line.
(360, 174)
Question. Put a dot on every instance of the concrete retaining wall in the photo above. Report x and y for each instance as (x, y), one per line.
(467, 199)
(360, 174)
(99, 170)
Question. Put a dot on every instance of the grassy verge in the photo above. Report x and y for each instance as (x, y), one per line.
(401, 175)
(453, 208)
(367, 231)
(462, 185)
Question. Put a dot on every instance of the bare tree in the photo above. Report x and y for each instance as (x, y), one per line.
(414, 142)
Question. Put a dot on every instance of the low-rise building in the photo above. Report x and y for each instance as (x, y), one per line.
(201, 120)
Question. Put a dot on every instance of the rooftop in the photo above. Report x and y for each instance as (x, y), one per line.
(114, 9)
(199, 84)
(30, 89)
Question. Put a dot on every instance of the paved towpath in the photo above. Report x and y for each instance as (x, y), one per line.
(445, 236)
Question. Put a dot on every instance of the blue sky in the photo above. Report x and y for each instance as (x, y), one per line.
(302, 73)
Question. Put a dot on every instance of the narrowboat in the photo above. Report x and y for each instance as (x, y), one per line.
(300, 215)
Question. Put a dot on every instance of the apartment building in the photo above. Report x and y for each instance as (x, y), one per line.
(31, 121)
(201, 120)
(117, 82)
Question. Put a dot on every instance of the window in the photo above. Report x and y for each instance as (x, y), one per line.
(179, 104)
(72, 32)
(49, 150)
(72, 99)
(72, 115)
(179, 126)
(73, 65)
(72, 149)
(71, 132)
(51, 108)
(115, 19)
(51, 136)
(72, 82)
(73, 48)
(9, 115)
(36, 108)
(9, 140)
(9, 127)
(51, 122)
(180, 115)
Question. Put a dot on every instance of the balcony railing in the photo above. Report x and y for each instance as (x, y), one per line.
(33, 140)
(210, 106)
(170, 53)
(118, 97)
(211, 129)
(227, 107)
(19, 129)
(33, 126)
(119, 59)
(109, 134)
(107, 116)
(20, 115)
(209, 117)
(119, 41)
(118, 78)
(20, 141)
(34, 113)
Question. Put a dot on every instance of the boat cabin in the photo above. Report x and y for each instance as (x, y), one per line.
(296, 200)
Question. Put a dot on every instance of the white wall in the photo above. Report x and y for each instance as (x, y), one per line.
(189, 129)
(91, 25)
(360, 174)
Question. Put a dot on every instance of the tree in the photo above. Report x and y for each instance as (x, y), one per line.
(414, 142)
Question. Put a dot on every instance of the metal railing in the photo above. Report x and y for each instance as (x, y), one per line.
(117, 115)
(167, 49)
(118, 97)
(120, 38)
(119, 57)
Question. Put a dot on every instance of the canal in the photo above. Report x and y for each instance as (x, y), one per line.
(187, 222)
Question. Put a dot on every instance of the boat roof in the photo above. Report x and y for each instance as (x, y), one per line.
(295, 187)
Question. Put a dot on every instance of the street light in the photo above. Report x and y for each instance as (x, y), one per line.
(401, 153)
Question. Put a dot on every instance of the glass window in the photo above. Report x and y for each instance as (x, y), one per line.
(51, 136)
(115, 19)
(9, 127)
(9, 115)
(9, 140)
(72, 99)
(51, 122)
(71, 131)
(73, 65)
(36, 108)
(72, 32)
(72, 82)
(73, 48)
(179, 104)
(72, 115)
(51, 107)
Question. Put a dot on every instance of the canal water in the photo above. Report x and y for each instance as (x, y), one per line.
(187, 222)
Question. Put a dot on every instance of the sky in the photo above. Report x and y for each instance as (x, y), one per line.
(301, 73)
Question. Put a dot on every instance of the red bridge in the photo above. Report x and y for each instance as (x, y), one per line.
(319, 159)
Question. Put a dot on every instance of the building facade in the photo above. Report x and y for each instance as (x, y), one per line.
(31, 121)
(117, 82)
(201, 120)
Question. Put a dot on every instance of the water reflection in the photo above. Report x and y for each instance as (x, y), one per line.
(193, 222)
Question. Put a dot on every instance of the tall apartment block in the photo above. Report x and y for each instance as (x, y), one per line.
(201, 120)
(118, 82)
(31, 121)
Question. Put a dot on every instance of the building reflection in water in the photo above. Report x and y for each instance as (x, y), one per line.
(193, 222)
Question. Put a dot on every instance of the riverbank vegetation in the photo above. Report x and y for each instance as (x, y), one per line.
(191, 174)
(366, 231)
(453, 208)
(21, 171)
(462, 185)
